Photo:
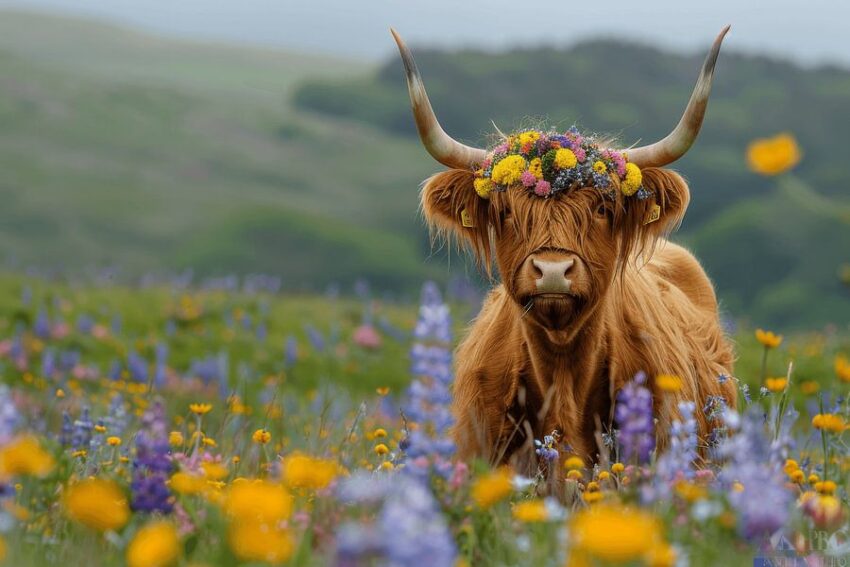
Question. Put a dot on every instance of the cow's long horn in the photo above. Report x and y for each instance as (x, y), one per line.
(440, 145)
(677, 142)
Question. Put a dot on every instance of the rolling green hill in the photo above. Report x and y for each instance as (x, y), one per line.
(155, 155)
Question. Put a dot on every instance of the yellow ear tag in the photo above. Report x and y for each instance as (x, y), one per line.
(653, 215)
(466, 219)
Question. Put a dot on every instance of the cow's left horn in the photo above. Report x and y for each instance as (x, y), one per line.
(440, 145)
(677, 142)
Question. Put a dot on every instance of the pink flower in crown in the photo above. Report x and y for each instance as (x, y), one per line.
(543, 188)
(487, 162)
(501, 148)
(527, 178)
(619, 163)
(581, 155)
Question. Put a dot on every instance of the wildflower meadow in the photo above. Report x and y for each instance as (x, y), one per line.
(227, 423)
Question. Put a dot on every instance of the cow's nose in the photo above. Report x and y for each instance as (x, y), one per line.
(553, 275)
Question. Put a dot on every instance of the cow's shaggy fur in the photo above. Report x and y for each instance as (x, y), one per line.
(643, 304)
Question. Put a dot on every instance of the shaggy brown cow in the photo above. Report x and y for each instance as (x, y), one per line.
(591, 294)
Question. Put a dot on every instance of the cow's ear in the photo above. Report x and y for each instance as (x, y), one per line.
(454, 210)
(662, 213)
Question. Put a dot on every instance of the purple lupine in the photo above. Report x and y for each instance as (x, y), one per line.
(634, 419)
(152, 464)
(428, 397)
(677, 461)
(546, 449)
(82, 432)
(409, 529)
(763, 504)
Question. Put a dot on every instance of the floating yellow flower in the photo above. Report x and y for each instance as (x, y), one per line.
(772, 156)
(632, 181)
(302, 471)
(531, 511)
(24, 456)
(668, 383)
(251, 542)
(492, 488)
(258, 501)
(842, 368)
(565, 159)
(829, 422)
(154, 545)
(200, 409)
(261, 436)
(98, 504)
(768, 339)
(614, 534)
(509, 170)
(776, 385)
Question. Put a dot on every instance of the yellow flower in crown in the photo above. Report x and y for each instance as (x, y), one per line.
(535, 167)
(772, 156)
(509, 170)
(633, 180)
(565, 159)
(528, 137)
(600, 167)
(483, 187)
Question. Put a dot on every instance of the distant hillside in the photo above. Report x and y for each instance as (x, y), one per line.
(155, 155)
(772, 257)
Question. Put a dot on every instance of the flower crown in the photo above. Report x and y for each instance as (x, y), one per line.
(548, 162)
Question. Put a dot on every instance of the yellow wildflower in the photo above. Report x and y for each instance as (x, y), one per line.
(842, 368)
(565, 159)
(24, 456)
(574, 463)
(776, 385)
(668, 383)
(690, 492)
(302, 471)
(508, 170)
(600, 167)
(531, 511)
(258, 501)
(825, 487)
(772, 156)
(614, 534)
(100, 428)
(382, 391)
(210, 442)
(213, 471)
(379, 433)
(261, 436)
(154, 545)
(617, 468)
(790, 466)
(661, 555)
(809, 387)
(185, 483)
(113, 441)
(829, 422)
(768, 339)
(60, 393)
(591, 497)
(252, 542)
(200, 409)
(381, 449)
(492, 488)
(98, 504)
(797, 476)
(175, 439)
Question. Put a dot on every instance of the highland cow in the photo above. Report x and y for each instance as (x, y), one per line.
(591, 292)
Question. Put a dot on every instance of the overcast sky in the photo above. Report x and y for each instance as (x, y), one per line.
(814, 31)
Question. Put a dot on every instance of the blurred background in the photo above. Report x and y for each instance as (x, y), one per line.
(151, 138)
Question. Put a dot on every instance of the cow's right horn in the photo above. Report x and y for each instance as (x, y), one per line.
(440, 145)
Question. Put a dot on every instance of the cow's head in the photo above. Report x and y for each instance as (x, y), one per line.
(557, 248)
